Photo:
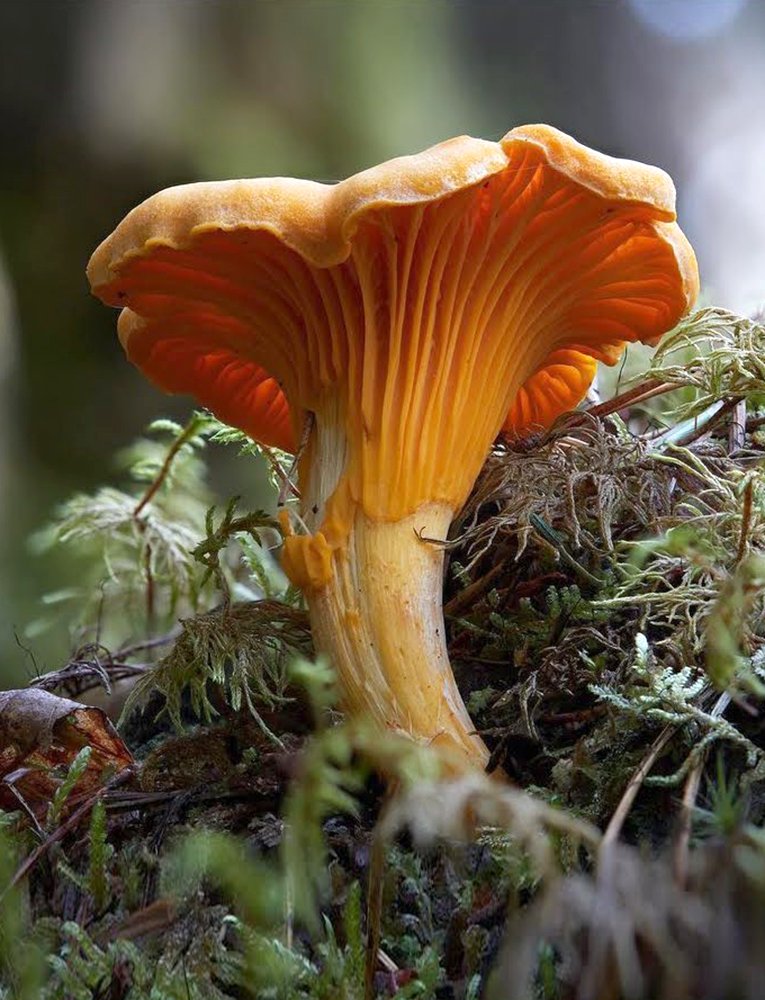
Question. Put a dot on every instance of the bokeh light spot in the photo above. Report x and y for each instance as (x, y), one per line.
(687, 20)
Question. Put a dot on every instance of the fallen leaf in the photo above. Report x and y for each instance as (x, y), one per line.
(40, 735)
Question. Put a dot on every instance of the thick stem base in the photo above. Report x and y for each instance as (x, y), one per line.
(380, 621)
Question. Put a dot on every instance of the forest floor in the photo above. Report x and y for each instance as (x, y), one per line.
(234, 837)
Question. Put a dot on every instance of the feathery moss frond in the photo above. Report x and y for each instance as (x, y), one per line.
(243, 649)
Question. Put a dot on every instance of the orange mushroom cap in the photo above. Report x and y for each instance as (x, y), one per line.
(423, 305)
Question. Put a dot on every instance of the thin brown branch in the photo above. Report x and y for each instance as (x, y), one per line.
(614, 828)
(10, 783)
(281, 475)
(638, 394)
(186, 434)
(79, 814)
(138, 647)
(288, 482)
(467, 597)
(692, 429)
(150, 596)
(710, 424)
(690, 792)
(89, 674)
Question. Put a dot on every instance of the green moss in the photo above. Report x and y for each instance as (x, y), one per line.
(604, 588)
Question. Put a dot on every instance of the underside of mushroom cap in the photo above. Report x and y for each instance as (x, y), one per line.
(420, 306)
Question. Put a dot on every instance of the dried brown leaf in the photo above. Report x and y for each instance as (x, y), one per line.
(40, 735)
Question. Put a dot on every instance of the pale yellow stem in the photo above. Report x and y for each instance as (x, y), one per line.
(380, 621)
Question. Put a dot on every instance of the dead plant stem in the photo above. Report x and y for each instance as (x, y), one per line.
(61, 831)
(621, 812)
(690, 792)
(188, 432)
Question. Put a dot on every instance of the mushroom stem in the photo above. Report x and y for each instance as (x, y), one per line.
(380, 620)
(374, 589)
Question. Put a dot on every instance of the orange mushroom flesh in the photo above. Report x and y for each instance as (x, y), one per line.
(410, 313)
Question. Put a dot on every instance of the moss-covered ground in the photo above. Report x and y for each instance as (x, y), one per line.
(234, 837)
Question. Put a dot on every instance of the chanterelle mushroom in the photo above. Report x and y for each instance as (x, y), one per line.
(410, 312)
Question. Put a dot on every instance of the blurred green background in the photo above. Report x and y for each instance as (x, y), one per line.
(102, 102)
